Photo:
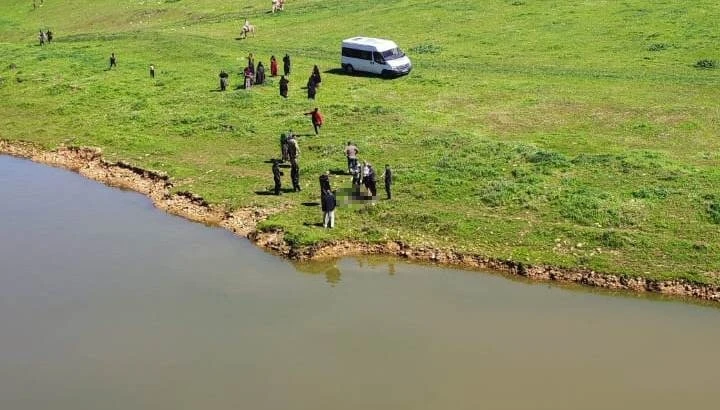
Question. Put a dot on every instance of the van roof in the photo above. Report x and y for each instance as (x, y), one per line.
(376, 43)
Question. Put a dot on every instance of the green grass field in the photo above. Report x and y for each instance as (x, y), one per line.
(568, 133)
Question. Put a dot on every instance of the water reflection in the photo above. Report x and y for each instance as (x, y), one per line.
(331, 267)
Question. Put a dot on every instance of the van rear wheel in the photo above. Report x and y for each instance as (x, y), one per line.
(348, 68)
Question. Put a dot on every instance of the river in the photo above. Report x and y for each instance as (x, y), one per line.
(109, 303)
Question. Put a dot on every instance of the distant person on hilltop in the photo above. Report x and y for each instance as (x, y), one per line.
(113, 60)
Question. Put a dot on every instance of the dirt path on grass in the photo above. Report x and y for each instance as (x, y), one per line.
(243, 222)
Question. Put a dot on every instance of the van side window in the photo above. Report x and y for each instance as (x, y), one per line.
(378, 57)
(353, 53)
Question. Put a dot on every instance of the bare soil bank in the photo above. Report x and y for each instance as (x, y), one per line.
(243, 222)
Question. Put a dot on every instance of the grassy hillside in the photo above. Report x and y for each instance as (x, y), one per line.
(558, 132)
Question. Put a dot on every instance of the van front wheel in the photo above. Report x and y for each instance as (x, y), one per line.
(348, 68)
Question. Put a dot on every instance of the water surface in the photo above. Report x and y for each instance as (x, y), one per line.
(108, 303)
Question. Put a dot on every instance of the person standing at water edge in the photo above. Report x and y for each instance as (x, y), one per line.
(113, 60)
(328, 203)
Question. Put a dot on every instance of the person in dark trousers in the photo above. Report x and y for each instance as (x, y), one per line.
(113, 60)
(251, 63)
(286, 64)
(295, 176)
(371, 183)
(293, 149)
(260, 73)
(223, 80)
(276, 176)
(316, 118)
(152, 71)
(325, 182)
(284, 147)
(273, 66)
(311, 89)
(316, 76)
(328, 204)
(387, 176)
(49, 36)
(283, 86)
(351, 152)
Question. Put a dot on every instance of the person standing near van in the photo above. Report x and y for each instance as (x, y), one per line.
(286, 64)
(316, 118)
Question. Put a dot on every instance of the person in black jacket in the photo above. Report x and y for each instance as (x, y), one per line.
(286, 64)
(328, 204)
(370, 182)
(325, 182)
(276, 176)
(284, 86)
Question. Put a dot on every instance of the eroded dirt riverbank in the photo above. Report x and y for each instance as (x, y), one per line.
(243, 222)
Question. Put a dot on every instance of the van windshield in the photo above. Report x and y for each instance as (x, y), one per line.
(393, 54)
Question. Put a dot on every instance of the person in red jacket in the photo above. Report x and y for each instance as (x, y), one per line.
(316, 118)
(273, 66)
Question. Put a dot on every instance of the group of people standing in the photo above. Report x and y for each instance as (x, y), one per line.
(45, 37)
(364, 174)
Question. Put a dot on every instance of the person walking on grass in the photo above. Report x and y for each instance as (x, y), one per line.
(152, 71)
(113, 60)
(283, 87)
(328, 204)
(387, 176)
(316, 118)
(260, 73)
(351, 153)
(311, 89)
(276, 176)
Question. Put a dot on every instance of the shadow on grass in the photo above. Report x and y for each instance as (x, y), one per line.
(340, 71)
(318, 224)
(310, 204)
(338, 172)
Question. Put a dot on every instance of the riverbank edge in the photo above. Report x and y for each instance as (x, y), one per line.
(89, 163)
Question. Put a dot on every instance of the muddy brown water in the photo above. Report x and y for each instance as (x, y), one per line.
(108, 303)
